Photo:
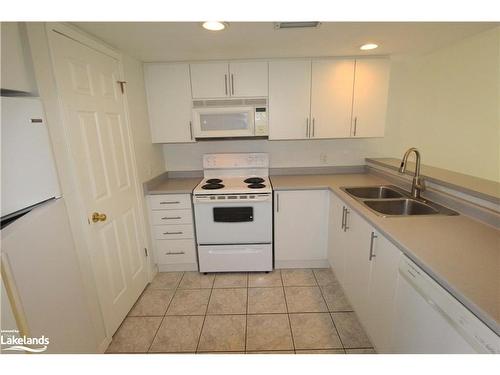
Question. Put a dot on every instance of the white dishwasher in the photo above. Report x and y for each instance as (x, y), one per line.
(428, 319)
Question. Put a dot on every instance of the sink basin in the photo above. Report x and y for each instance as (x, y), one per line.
(401, 207)
(374, 192)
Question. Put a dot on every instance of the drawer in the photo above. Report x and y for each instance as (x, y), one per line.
(175, 251)
(173, 232)
(172, 217)
(170, 201)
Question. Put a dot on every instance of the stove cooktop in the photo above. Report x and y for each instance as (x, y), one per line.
(233, 185)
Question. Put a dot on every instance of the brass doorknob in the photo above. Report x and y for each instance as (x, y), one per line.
(96, 216)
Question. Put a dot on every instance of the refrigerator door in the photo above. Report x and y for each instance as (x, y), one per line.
(28, 170)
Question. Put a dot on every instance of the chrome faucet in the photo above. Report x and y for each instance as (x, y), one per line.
(418, 184)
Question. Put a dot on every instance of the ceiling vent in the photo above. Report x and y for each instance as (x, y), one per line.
(296, 25)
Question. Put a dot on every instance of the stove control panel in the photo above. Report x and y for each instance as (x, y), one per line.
(232, 198)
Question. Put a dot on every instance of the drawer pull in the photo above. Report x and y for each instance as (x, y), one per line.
(173, 232)
(170, 202)
(171, 218)
(175, 253)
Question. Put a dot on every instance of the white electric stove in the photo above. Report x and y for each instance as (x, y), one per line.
(233, 213)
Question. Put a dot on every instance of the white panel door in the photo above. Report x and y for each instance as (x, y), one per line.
(289, 99)
(370, 97)
(169, 102)
(337, 242)
(248, 78)
(381, 292)
(94, 118)
(210, 80)
(300, 225)
(331, 98)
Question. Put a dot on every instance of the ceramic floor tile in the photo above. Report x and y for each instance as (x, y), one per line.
(266, 300)
(269, 332)
(134, 335)
(271, 352)
(350, 330)
(223, 333)
(231, 280)
(228, 301)
(298, 277)
(178, 334)
(321, 351)
(262, 279)
(153, 302)
(197, 280)
(304, 299)
(325, 276)
(314, 331)
(335, 298)
(361, 351)
(166, 280)
(189, 302)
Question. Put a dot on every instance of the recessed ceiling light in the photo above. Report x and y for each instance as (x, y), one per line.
(214, 25)
(368, 46)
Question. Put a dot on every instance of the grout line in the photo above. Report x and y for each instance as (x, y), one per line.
(205, 316)
(288, 313)
(246, 317)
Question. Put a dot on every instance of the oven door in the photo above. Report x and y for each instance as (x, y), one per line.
(224, 122)
(233, 223)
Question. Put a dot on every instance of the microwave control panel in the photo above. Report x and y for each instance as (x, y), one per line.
(261, 123)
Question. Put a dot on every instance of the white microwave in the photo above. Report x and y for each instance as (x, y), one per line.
(230, 118)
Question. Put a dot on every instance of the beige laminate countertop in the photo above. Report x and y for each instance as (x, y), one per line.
(172, 185)
(461, 254)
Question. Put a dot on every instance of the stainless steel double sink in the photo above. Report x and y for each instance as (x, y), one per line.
(391, 201)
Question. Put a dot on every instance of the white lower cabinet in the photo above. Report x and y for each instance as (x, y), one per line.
(172, 229)
(300, 228)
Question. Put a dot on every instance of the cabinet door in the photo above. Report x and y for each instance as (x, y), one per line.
(336, 242)
(357, 263)
(331, 98)
(300, 227)
(169, 102)
(289, 99)
(381, 292)
(210, 80)
(248, 79)
(370, 97)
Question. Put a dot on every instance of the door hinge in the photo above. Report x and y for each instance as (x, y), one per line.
(146, 252)
(122, 86)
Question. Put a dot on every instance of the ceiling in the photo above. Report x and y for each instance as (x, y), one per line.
(177, 41)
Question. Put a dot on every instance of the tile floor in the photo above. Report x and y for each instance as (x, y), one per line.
(285, 311)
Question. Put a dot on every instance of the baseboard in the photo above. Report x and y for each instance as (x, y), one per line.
(321, 263)
(177, 267)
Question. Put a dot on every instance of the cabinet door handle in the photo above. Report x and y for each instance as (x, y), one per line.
(277, 202)
(170, 202)
(175, 253)
(172, 232)
(355, 125)
(225, 82)
(345, 220)
(313, 127)
(232, 84)
(343, 217)
(307, 127)
(372, 238)
(191, 129)
(171, 218)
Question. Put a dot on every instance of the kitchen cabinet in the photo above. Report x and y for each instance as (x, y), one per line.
(300, 228)
(168, 92)
(337, 237)
(289, 99)
(172, 229)
(331, 98)
(371, 85)
(235, 79)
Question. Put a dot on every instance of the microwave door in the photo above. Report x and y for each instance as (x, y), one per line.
(224, 122)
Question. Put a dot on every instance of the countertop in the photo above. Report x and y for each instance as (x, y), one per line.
(165, 185)
(461, 254)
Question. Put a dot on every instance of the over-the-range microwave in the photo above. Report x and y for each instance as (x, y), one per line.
(229, 118)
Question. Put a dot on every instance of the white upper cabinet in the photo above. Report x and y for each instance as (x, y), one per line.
(169, 102)
(371, 85)
(210, 80)
(248, 79)
(289, 99)
(331, 98)
(222, 79)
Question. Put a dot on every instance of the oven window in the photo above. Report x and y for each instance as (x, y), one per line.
(233, 214)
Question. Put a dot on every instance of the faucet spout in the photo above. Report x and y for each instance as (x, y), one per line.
(418, 184)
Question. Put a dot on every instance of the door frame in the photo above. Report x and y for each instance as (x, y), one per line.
(38, 35)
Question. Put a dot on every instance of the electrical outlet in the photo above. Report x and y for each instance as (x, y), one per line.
(323, 158)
